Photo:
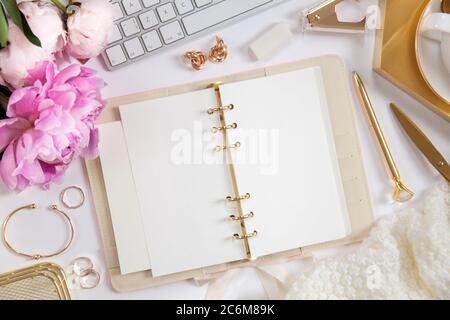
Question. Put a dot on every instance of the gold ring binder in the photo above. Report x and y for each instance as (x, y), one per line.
(245, 236)
(231, 146)
(244, 197)
(240, 218)
(227, 127)
(222, 108)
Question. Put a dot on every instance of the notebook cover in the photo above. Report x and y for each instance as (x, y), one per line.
(336, 82)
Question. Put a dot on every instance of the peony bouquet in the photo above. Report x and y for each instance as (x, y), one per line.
(47, 116)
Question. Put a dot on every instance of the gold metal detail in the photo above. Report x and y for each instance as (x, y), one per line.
(231, 146)
(324, 16)
(197, 59)
(222, 108)
(445, 6)
(229, 160)
(378, 132)
(64, 200)
(219, 53)
(423, 143)
(44, 281)
(37, 256)
(395, 57)
(227, 127)
(245, 236)
(244, 217)
(238, 198)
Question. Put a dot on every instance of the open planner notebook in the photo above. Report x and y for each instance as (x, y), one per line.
(236, 171)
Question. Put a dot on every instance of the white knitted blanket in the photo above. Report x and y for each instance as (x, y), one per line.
(406, 256)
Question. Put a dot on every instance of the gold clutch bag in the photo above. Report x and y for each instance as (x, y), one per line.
(44, 281)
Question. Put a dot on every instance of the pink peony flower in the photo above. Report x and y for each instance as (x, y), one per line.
(21, 55)
(89, 29)
(51, 122)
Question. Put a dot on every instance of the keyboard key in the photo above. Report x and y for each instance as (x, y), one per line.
(131, 6)
(218, 13)
(201, 3)
(115, 55)
(150, 3)
(166, 12)
(184, 6)
(130, 27)
(148, 19)
(172, 32)
(115, 34)
(134, 48)
(151, 40)
(118, 13)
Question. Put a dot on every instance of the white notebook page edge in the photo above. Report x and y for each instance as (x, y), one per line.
(122, 199)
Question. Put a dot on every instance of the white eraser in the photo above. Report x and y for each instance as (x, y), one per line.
(270, 42)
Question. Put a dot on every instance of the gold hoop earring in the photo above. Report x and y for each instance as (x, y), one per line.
(37, 256)
(219, 53)
(63, 197)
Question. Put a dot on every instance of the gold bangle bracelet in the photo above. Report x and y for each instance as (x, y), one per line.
(37, 256)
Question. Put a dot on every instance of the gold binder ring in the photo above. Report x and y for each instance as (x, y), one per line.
(38, 256)
(241, 218)
(245, 236)
(228, 127)
(223, 108)
(244, 197)
(232, 146)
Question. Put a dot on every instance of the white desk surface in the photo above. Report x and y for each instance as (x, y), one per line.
(167, 70)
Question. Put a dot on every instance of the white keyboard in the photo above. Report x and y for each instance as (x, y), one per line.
(146, 27)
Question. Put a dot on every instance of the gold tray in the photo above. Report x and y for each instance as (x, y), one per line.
(45, 281)
(395, 55)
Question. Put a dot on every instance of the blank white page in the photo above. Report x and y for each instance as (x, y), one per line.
(181, 182)
(287, 161)
(122, 199)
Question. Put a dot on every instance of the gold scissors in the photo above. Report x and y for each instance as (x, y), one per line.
(423, 143)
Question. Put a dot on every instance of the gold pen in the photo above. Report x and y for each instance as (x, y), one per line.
(389, 160)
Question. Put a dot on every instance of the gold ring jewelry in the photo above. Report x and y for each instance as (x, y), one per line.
(90, 280)
(197, 58)
(219, 53)
(71, 206)
(81, 266)
(37, 256)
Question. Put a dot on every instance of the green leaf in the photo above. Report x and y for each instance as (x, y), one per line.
(29, 33)
(3, 103)
(5, 91)
(3, 29)
(19, 20)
